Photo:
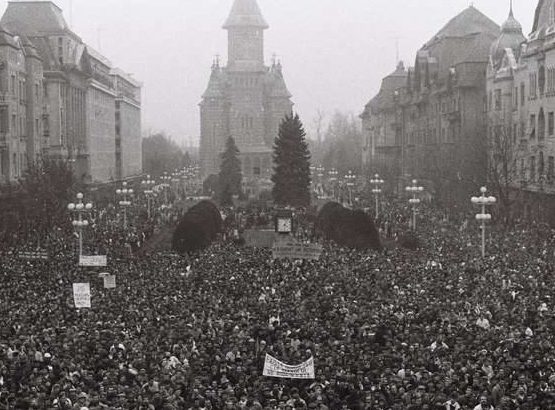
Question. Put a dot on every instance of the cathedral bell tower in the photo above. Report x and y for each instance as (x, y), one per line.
(245, 26)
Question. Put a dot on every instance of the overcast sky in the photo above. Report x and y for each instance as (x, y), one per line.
(334, 52)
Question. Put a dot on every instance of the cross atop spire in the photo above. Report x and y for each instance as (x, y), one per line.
(245, 13)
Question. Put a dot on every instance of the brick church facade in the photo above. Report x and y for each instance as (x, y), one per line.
(245, 99)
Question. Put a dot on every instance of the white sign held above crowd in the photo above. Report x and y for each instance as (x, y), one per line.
(82, 295)
(275, 368)
(93, 260)
(109, 281)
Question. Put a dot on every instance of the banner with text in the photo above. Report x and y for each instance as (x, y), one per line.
(275, 368)
(292, 250)
(33, 255)
(82, 295)
(110, 282)
(93, 260)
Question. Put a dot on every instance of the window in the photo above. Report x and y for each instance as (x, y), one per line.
(14, 124)
(4, 121)
(498, 100)
(532, 169)
(541, 125)
(552, 14)
(490, 101)
(541, 166)
(533, 86)
(550, 170)
(541, 80)
(522, 94)
(12, 84)
(37, 126)
(515, 99)
(36, 92)
(533, 126)
(550, 123)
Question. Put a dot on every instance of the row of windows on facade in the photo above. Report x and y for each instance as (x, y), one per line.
(5, 125)
(428, 136)
(17, 88)
(445, 107)
(18, 163)
(536, 128)
(536, 169)
(538, 83)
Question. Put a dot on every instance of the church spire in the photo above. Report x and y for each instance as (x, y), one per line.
(245, 13)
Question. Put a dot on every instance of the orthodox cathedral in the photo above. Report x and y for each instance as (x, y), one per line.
(246, 99)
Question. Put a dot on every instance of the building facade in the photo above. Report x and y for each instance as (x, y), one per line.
(21, 103)
(433, 126)
(521, 106)
(70, 112)
(245, 99)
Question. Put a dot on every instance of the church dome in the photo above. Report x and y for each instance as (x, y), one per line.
(511, 37)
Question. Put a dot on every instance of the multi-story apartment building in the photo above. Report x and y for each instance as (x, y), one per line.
(21, 103)
(432, 125)
(521, 107)
(71, 100)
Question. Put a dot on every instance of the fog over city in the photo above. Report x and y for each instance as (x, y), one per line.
(334, 53)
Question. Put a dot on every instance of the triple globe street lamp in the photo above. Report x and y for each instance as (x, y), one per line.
(125, 203)
(148, 184)
(79, 208)
(333, 173)
(350, 178)
(415, 190)
(377, 190)
(483, 201)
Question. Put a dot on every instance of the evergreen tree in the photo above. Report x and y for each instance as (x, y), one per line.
(230, 173)
(291, 164)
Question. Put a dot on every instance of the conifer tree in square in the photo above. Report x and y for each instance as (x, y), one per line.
(291, 164)
(230, 173)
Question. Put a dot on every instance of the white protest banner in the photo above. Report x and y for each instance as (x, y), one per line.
(110, 282)
(82, 295)
(93, 260)
(293, 250)
(275, 368)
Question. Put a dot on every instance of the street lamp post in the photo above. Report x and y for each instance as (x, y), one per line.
(125, 203)
(79, 224)
(350, 177)
(333, 179)
(378, 182)
(483, 201)
(166, 184)
(148, 184)
(414, 189)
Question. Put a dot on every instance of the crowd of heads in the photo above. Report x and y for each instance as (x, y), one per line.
(439, 328)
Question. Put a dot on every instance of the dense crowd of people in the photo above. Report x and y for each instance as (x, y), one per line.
(439, 328)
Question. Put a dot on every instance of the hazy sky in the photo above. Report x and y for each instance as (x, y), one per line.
(334, 52)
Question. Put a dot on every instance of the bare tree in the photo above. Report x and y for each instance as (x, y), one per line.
(507, 165)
